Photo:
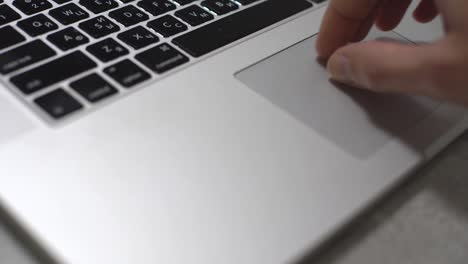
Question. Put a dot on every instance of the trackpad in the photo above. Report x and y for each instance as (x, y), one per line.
(357, 121)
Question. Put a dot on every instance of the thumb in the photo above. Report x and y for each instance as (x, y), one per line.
(388, 66)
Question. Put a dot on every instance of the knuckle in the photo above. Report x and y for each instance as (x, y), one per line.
(374, 78)
(448, 75)
(377, 75)
(441, 71)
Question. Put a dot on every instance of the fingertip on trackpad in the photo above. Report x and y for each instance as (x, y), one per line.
(357, 121)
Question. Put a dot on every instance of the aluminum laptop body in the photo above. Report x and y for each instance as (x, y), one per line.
(244, 154)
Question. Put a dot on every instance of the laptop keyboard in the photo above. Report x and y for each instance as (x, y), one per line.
(63, 57)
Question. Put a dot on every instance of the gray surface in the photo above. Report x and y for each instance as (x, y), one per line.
(424, 221)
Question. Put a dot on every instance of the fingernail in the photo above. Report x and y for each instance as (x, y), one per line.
(339, 67)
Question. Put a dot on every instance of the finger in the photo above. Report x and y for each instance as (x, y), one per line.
(426, 11)
(390, 13)
(394, 67)
(364, 29)
(341, 21)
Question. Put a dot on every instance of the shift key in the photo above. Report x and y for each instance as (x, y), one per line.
(53, 72)
(24, 55)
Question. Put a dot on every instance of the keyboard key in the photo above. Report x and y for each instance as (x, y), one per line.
(246, 2)
(107, 50)
(24, 55)
(220, 7)
(126, 1)
(53, 72)
(61, 1)
(9, 37)
(184, 2)
(167, 26)
(99, 27)
(238, 25)
(58, 103)
(162, 58)
(127, 73)
(30, 7)
(138, 37)
(7, 15)
(68, 14)
(93, 87)
(157, 7)
(129, 15)
(68, 38)
(99, 6)
(194, 15)
(37, 25)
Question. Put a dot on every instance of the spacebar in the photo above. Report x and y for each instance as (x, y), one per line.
(229, 29)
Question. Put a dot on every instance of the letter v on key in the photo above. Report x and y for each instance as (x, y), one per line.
(194, 15)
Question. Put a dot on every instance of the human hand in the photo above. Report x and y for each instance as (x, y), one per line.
(438, 69)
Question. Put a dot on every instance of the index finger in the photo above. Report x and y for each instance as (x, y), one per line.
(340, 23)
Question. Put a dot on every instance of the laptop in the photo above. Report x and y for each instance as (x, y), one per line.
(182, 131)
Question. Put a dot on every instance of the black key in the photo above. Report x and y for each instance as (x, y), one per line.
(246, 2)
(58, 103)
(99, 27)
(53, 72)
(157, 7)
(183, 2)
(30, 7)
(68, 14)
(162, 58)
(129, 15)
(220, 7)
(99, 6)
(194, 15)
(37, 25)
(167, 26)
(24, 55)
(138, 37)
(93, 87)
(68, 38)
(127, 73)
(7, 15)
(107, 50)
(9, 37)
(126, 1)
(61, 1)
(238, 25)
